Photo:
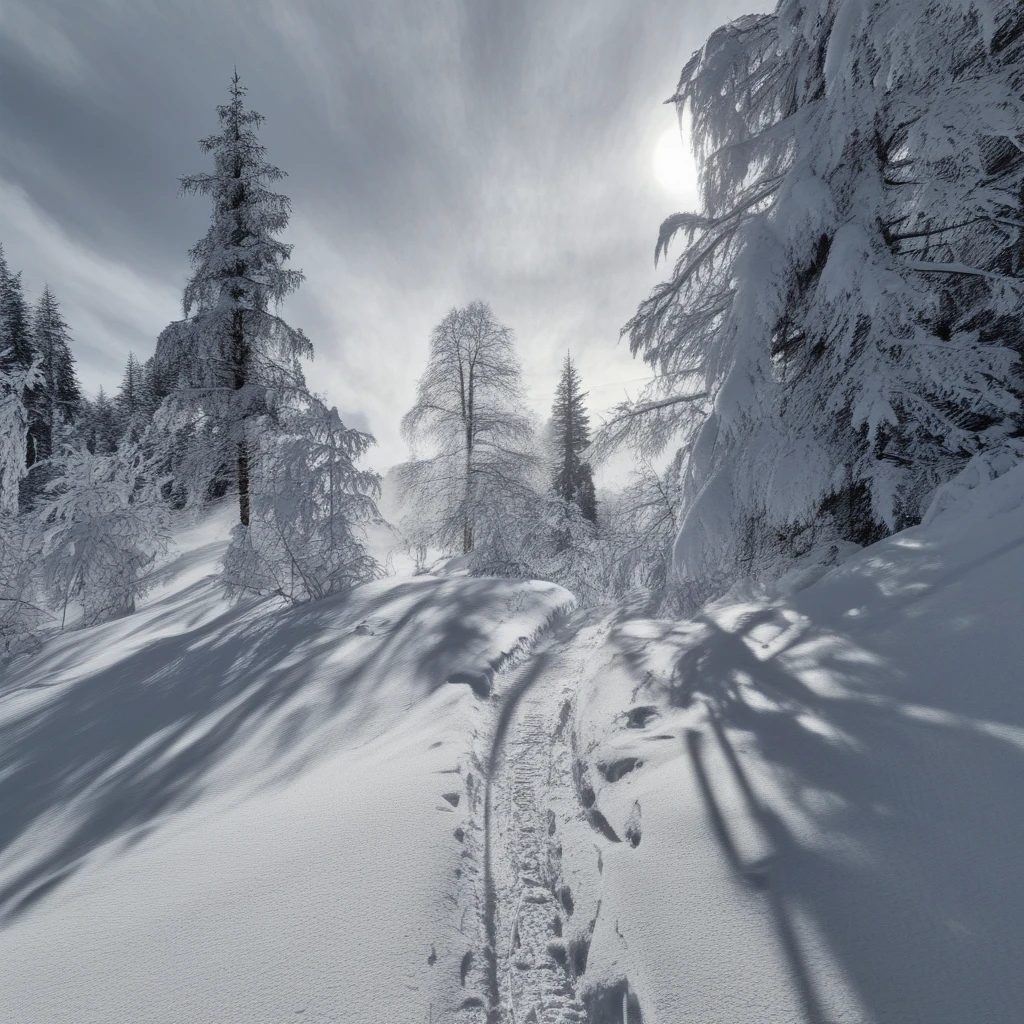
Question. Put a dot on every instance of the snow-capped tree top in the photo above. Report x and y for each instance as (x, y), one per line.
(238, 261)
(472, 382)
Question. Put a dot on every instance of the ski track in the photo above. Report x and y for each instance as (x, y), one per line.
(530, 792)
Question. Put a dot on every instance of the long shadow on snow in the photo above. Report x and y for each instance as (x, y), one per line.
(894, 815)
(106, 757)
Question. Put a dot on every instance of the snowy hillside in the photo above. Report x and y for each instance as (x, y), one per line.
(796, 810)
(829, 791)
(240, 814)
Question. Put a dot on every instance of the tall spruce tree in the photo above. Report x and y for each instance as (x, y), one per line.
(57, 398)
(238, 359)
(132, 401)
(16, 350)
(98, 424)
(570, 437)
(157, 384)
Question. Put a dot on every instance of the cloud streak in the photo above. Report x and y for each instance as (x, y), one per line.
(437, 150)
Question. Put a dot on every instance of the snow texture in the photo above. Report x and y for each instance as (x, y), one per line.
(232, 813)
(787, 809)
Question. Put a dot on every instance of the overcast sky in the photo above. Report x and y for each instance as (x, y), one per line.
(437, 151)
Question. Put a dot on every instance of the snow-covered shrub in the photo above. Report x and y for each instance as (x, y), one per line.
(562, 544)
(989, 465)
(640, 522)
(309, 504)
(103, 526)
(526, 534)
(21, 612)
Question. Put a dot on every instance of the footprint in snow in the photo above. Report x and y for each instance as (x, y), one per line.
(637, 718)
(633, 833)
(616, 769)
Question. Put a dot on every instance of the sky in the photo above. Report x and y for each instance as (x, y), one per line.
(437, 151)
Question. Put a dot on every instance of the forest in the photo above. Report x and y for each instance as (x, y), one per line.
(835, 350)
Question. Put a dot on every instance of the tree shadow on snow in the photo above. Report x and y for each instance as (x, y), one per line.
(892, 810)
(140, 733)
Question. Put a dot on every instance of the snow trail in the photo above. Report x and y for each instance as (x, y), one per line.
(532, 968)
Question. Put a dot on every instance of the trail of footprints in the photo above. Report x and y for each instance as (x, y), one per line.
(545, 954)
(538, 964)
(541, 952)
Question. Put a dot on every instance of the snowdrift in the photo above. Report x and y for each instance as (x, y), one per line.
(797, 809)
(824, 791)
(220, 813)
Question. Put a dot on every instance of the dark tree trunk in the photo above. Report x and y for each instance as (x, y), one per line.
(238, 358)
(243, 485)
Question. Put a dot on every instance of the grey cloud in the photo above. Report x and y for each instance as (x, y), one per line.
(437, 150)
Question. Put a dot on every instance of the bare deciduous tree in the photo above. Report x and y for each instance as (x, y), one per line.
(469, 426)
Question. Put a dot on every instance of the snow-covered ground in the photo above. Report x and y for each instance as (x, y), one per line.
(829, 800)
(227, 814)
(795, 810)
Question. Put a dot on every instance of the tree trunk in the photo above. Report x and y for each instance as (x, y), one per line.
(243, 485)
(467, 529)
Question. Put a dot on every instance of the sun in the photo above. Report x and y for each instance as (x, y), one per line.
(674, 166)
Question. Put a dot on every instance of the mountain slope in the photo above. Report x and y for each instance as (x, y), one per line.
(826, 807)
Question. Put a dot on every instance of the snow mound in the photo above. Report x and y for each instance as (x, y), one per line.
(823, 790)
(238, 813)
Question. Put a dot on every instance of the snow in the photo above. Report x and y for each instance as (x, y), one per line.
(236, 813)
(799, 808)
(830, 790)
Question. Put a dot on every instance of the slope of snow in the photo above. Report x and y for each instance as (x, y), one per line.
(827, 815)
(804, 809)
(241, 813)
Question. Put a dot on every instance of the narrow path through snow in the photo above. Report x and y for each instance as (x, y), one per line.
(537, 953)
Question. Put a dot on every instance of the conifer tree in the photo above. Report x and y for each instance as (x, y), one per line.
(99, 424)
(156, 384)
(57, 398)
(15, 328)
(837, 336)
(14, 426)
(570, 437)
(132, 401)
(239, 360)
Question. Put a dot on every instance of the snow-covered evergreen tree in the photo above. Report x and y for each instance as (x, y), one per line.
(237, 360)
(15, 384)
(15, 325)
(57, 398)
(157, 385)
(310, 505)
(570, 437)
(133, 402)
(103, 526)
(469, 433)
(638, 530)
(97, 424)
(837, 337)
(22, 613)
